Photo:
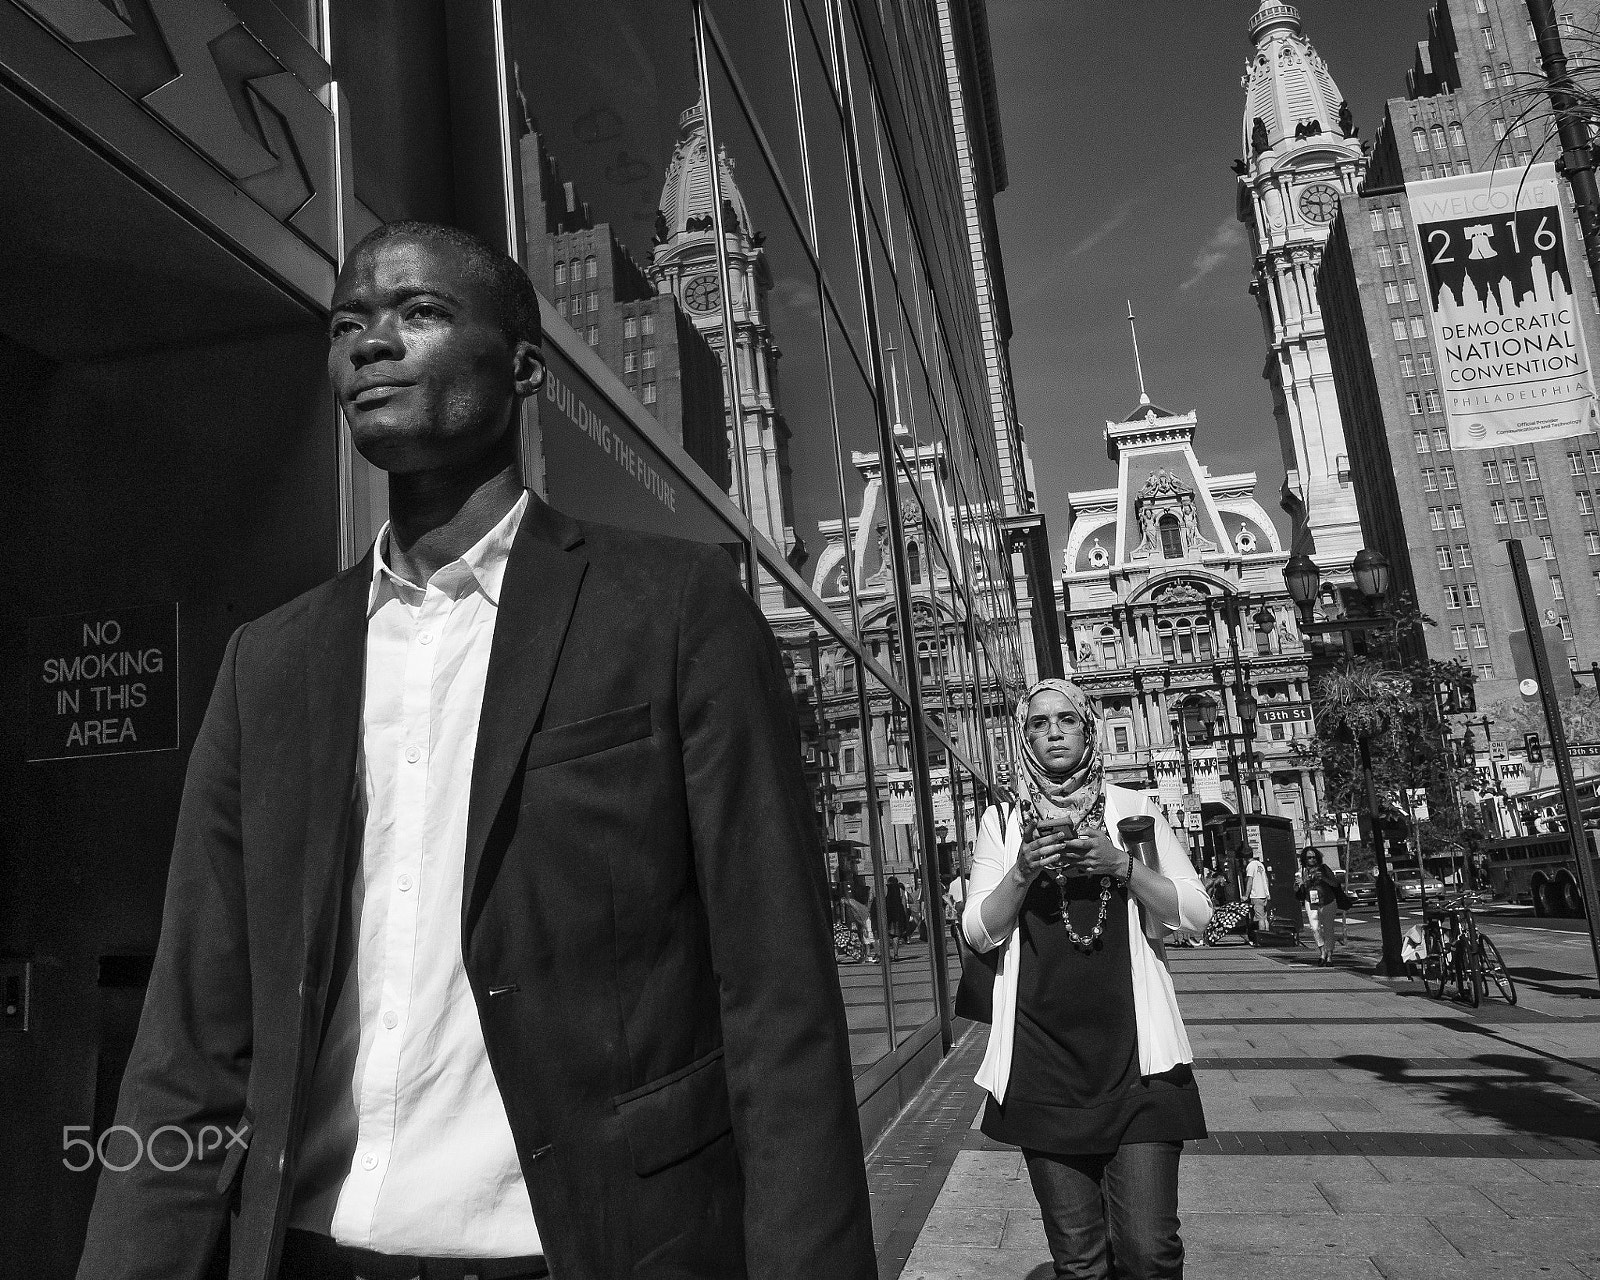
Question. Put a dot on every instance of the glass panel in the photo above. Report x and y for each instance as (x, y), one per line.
(615, 187)
(797, 503)
(830, 186)
(828, 699)
(867, 533)
(607, 89)
(911, 978)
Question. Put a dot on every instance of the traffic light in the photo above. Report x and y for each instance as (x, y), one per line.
(1533, 747)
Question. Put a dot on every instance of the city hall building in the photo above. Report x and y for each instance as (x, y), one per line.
(756, 230)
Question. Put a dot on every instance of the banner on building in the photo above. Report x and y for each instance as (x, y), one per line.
(902, 798)
(1512, 363)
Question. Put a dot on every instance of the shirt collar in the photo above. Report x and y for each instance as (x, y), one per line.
(482, 566)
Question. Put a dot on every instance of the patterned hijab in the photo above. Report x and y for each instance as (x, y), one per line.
(1078, 795)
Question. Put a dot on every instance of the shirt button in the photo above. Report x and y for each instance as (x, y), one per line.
(413, 754)
(405, 884)
(390, 1018)
(369, 1161)
(425, 638)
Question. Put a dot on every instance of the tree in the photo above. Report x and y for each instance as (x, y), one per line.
(1387, 696)
(1580, 717)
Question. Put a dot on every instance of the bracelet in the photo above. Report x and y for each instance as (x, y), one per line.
(1128, 879)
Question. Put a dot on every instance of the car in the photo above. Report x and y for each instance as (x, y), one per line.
(1409, 883)
(1362, 887)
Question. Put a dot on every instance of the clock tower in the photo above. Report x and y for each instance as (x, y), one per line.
(1302, 157)
(684, 263)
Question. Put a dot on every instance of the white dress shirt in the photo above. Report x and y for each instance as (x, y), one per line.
(407, 1146)
(1163, 1043)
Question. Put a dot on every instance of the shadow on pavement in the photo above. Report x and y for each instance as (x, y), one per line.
(1520, 1094)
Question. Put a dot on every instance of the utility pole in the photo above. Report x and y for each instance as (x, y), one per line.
(1558, 745)
(1577, 161)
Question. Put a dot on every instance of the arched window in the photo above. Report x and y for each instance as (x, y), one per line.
(1164, 630)
(1458, 135)
(1108, 646)
(561, 273)
(1171, 537)
(1436, 134)
(1419, 139)
(914, 561)
(589, 268)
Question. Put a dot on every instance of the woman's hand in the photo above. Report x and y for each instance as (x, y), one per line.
(1041, 848)
(1093, 854)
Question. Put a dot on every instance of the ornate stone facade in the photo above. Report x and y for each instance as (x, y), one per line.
(1174, 595)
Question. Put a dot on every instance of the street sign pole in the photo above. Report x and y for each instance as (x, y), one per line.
(1558, 745)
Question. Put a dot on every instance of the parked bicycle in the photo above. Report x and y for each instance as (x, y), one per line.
(1456, 953)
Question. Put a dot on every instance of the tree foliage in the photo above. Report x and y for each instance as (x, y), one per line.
(1386, 696)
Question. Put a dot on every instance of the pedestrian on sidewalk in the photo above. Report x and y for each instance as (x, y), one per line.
(1088, 1065)
(1321, 891)
(1255, 888)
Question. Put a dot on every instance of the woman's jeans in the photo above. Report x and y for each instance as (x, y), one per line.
(1111, 1216)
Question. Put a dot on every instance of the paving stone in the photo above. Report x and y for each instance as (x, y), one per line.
(1469, 1170)
(1291, 1235)
(1201, 1263)
(1416, 1199)
(1250, 1195)
(1582, 1173)
(1437, 1267)
(935, 1262)
(1542, 1200)
(968, 1228)
(1573, 1239)
(1272, 1170)
(1327, 1104)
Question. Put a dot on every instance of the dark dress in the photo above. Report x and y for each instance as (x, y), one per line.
(1075, 1087)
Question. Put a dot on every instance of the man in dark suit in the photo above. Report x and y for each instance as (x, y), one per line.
(496, 940)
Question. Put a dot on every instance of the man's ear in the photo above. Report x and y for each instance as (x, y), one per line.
(529, 368)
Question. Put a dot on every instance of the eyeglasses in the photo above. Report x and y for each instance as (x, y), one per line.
(1066, 721)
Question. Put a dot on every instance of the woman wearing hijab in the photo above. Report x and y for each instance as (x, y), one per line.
(1088, 1064)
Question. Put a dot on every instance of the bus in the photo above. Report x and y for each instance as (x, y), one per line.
(1539, 870)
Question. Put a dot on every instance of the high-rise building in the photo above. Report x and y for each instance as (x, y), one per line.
(981, 157)
(1437, 500)
(1301, 156)
(1174, 594)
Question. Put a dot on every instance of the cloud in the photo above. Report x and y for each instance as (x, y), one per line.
(1228, 236)
(1119, 215)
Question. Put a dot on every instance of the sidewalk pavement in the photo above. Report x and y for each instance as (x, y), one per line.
(1358, 1131)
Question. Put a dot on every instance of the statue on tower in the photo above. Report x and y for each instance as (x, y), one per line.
(1347, 120)
(1259, 141)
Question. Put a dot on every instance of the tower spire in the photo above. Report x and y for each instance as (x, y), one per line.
(1144, 396)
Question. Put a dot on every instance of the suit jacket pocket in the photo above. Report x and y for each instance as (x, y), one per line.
(236, 1144)
(585, 737)
(670, 1119)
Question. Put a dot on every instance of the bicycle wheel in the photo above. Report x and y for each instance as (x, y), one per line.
(1493, 966)
(1435, 965)
(1469, 981)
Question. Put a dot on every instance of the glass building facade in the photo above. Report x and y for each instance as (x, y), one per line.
(746, 225)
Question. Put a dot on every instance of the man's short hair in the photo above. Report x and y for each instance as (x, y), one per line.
(513, 292)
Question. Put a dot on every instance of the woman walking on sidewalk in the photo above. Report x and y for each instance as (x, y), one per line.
(1320, 890)
(1088, 1064)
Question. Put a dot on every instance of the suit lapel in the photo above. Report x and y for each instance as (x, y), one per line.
(537, 597)
(335, 643)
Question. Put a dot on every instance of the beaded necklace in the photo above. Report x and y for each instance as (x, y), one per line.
(1090, 943)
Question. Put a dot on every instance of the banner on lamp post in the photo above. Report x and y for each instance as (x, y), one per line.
(1511, 355)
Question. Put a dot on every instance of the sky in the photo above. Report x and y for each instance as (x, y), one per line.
(1120, 124)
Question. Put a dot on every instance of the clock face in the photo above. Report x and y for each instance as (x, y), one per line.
(702, 293)
(1319, 203)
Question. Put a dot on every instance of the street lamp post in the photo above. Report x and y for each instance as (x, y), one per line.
(1371, 572)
